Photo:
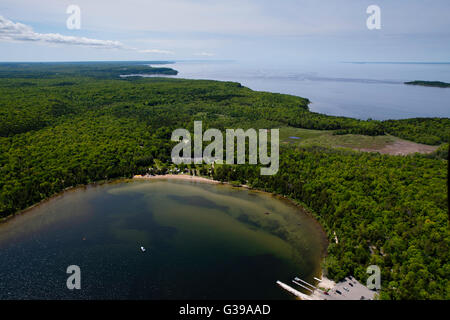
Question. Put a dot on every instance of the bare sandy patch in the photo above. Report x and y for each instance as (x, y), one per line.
(402, 148)
(326, 283)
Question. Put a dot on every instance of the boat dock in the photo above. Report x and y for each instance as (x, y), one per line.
(348, 289)
(302, 286)
(293, 291)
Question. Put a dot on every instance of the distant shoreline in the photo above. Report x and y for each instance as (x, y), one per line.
(435, 84)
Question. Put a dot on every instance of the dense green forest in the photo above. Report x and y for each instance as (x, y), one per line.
(99, 70)
(64, 128)
(390, 211)
(437, 84)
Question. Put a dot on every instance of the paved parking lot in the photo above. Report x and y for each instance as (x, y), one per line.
(349, 292)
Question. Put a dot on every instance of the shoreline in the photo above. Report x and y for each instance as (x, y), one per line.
(58, 194)
(326, 284)
(188, 177)
(176, 177)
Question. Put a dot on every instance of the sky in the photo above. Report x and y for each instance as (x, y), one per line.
(244, 30)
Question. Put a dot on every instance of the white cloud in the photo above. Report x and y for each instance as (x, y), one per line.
(156, 51)
(16, 31)
(11, 31)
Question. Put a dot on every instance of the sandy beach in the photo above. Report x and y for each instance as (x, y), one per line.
(176, 177)
(325, 284)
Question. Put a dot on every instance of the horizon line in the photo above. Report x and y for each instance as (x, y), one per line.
(117, 61)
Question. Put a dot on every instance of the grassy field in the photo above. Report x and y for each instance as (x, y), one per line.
(326, 138)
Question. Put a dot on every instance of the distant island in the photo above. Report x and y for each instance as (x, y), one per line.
(437, 84)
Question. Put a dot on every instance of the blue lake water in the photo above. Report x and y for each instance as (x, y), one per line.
(359, 90)
(203, 241)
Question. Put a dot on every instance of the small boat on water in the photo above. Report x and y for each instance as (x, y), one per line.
(143, 249)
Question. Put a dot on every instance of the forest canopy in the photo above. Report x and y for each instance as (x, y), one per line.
(66, 125)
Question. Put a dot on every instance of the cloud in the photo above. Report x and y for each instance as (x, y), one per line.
(204, 54)
(156, 51)
(11, 31)
(16, 31)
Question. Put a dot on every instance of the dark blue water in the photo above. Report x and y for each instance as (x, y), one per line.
(359, 90)
(203, 242)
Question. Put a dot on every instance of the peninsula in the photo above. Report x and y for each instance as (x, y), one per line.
(437, 84)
